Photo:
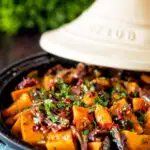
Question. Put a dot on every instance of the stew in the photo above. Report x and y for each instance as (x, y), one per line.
(86, 107)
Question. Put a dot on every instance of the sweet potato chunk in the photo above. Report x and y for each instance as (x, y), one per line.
(16, 129)
(145, 78)
(137, 142)
(46, 81)
(138, 104)
(89, 97)
(117, 106)
(23, 102)
(28, 135)
(17, 94)
(136, 125)
(95, 146)
(62, 140)
(80, 116)
(132, 87)
(102, 115)
(147, 122)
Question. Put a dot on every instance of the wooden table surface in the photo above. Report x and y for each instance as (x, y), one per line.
(15, 48)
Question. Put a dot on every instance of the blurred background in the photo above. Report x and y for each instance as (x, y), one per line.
(23, 21)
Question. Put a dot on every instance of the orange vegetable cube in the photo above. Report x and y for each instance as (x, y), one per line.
(16, 129)
(137, 142)
(62, 140)
(23, 102)
(95, 146)
(89, 97)
(17, 94)
(80, 116)
(28, 135)
(102, 115)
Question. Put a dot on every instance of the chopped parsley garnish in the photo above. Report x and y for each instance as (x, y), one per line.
(135, 94)
(85, 88)
(96, 72)
(42, 90)
(49, 105)
(124, 94)
(86, 82)
(64, 88)
(78, 103)
(91, 110)
(64, 123)
(92, 88)
(103, 99)
(85, 132)
(144, 140)
(54, 119)
(95, 124)
(130, 124)
(140, 117)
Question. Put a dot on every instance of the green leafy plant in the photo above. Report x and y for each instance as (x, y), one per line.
(38, 15)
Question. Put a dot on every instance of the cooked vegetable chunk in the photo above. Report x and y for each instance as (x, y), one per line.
(80, 117)
(28, 134)
(117, 106)
(89, 97)
(17, 94)
(132, 87)
(138, 104)
(23, 102)
(16, 129)
(95, 146)
(147, 122)
(136, 125)
(137, 142)
(62, 140)
(145, 78)
(102, 115)
(46, 81)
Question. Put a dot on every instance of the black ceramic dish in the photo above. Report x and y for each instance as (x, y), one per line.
(10, 76)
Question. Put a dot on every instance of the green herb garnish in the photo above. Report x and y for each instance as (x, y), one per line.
(103, 99)
(78, 103)
(85, 132)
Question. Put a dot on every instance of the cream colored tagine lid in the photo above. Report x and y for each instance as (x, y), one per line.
(113, 33)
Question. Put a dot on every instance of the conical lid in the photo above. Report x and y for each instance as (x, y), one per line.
(113, 33)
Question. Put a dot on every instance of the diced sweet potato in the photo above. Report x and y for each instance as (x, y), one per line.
(16, 129)
(147, 122)
(138, 104)
(132, 87)
(46, 81)
(102, 81)
(89, 97)
(17, 94)
(102, 115)
(28, 135)
(136, 125)
(137, 142)
(23, 102)
(95, 146)
(117, 106)
(145, 78)
(62, 140)
(80, 116)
